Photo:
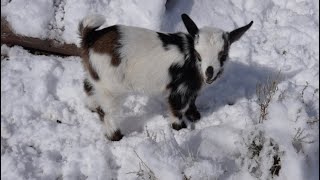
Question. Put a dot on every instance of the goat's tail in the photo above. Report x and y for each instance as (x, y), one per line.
(88, 24)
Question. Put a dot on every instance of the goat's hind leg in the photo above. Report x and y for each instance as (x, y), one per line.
(113, 133)
(105, 111)
(90, 100)
(102, 104)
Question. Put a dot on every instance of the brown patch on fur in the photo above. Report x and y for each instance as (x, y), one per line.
(87, 64)
(109, 44)
(84, 32)
(101, 113)
(105, 41)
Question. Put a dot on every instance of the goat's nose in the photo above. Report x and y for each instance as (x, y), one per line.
(209, 72)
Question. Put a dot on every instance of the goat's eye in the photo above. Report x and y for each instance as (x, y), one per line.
(222, 56)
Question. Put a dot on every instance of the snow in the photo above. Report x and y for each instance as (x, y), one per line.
(48, 133)
(30, 18)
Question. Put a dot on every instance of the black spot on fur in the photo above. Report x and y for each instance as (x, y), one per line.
(223, 55)
(88, 87)
(187, 75)
(117, 136)
(175, 39)
(177, 126)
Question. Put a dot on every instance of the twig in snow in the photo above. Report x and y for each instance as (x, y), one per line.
(144, 170)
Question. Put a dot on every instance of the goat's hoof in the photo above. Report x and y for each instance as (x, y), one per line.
(193, 116)
(177, 126)
(117, 136)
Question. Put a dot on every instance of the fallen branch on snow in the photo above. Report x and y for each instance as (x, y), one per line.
(47, 46)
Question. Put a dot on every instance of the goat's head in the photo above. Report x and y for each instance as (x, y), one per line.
(212, 44)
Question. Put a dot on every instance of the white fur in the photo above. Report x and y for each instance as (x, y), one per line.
(93, 21)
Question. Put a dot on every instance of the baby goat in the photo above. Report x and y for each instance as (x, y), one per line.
(120, 59)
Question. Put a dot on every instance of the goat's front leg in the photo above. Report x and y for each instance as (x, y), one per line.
(176, 104)
(192, 113)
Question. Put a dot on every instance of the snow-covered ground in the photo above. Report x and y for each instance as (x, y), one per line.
(47, 133)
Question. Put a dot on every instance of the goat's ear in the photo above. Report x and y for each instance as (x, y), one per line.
(236, 34)
(190, 25)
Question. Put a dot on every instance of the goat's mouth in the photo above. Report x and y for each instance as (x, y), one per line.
(209, 81)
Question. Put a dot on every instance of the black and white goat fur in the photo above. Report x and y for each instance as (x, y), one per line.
(120, 59)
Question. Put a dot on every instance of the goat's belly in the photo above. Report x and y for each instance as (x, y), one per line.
(148, 75)
(147, 83)
(152, 83)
